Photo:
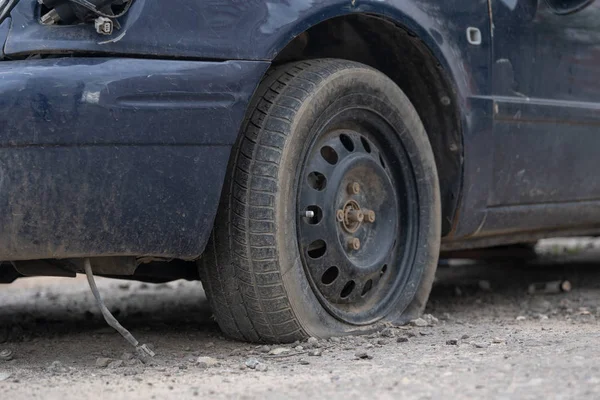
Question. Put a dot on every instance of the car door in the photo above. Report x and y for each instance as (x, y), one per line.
(546, 90)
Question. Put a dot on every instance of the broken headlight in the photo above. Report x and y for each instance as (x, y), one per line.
(102, 13)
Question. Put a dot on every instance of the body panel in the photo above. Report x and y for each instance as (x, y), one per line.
(115, 156)
(547, 117)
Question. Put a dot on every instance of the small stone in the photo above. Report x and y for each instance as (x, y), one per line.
(206, 362)
(135, 361)
(335, 339)
(4, 375)
(382, 342)
(299, 348)
(57, 368)
(127, 356)
(315, 353)
(402, 339)
(411, 334)
(278, 351)
(262, 367)
(103, 362)
(542, 317)
(419, 322)
(452, 342)
(521, 318)
(425, 333)
(497, 340)
(312, 341)
(264, 349)
(252, 363)
(431, 320)
(363, 355)
(302, 361)
(387, 332)
(209, 344)
(116, 364)
(480, 345)
(464, 337)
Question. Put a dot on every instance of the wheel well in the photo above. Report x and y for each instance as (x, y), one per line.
(405, 59)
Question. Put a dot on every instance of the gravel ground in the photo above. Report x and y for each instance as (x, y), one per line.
(485, 337)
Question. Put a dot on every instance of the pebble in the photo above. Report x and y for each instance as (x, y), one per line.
(382, 342)
(335, 339)
(464, 337)
(387, 332)
(480, 345)
(264, 349)
(497, 340)
(4, 376)
(369, 346)
(402, 339)
(430, 319)
(127, 356)
(302, 361)
(312, 341)
(299, 348)
(521, 318)
(57, 368)
(452, 342)
(252, 363)
(116, 364)
(206, 362)
(419, 322)
(363, 355)
(315, 353)
(411, 334)
(131, 371)
(103, 362)
(262, 367)
(279, 350)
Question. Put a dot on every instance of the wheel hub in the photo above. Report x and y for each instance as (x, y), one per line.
(349, 226)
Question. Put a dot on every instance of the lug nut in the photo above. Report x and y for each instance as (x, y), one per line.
(354, 188)
(356, 216)
(370, 216)
(354, 244)
(339, 215)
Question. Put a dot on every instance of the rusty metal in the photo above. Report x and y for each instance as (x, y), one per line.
(551, 287)
(354, 244)
(354, 188)
(369, 216)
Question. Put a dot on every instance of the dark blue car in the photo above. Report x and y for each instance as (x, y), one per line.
(306, 159)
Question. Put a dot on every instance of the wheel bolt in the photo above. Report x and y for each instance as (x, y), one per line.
(370, 216)
(354, 244)
(340, 215)
(354, 188)
(309, 214)
(356, 216)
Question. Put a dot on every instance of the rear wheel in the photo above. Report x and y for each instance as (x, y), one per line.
(330, 217)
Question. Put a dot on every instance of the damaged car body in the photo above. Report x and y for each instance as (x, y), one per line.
(307, 160)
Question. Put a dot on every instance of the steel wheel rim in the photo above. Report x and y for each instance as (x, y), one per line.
(358, 282)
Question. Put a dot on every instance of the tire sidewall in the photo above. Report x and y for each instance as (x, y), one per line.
(400, 114)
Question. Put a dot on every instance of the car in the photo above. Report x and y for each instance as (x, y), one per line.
(307, 160)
